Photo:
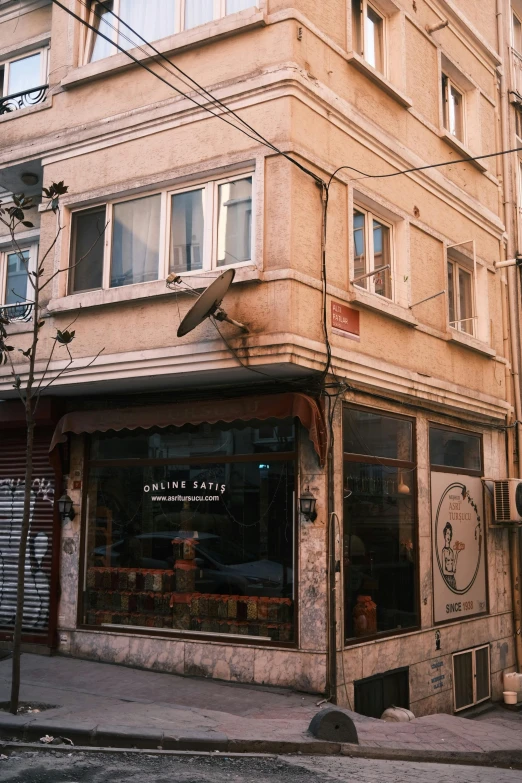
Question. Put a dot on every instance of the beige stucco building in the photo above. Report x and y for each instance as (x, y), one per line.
(378, 375)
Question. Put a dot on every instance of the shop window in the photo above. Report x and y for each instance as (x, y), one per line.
(151, 20)
(372, 239)
(123, 242)
(368, 33)
(461, 296)
(452, 108)
(375, 694)
(380, 537)
(455, 449)
(192, 529)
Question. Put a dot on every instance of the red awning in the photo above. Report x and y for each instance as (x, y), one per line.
(277, 406)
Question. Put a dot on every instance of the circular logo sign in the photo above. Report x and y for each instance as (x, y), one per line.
(458, 538)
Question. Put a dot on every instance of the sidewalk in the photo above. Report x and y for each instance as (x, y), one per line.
(101, 704)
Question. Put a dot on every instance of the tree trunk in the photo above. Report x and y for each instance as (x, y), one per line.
(17, 635)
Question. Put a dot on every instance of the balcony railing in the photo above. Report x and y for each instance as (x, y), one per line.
(17, 312)
(21, 100)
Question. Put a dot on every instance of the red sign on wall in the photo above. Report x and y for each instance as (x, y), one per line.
(345, 319)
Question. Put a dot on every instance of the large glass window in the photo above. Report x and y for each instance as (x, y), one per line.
(380, 540)
(455, 449)
(192, 529)
(142, 239)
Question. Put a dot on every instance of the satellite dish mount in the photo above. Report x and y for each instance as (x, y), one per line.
(208, 304)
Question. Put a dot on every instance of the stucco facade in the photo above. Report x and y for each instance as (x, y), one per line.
(297, 72)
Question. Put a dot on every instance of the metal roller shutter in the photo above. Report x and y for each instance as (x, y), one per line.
(39, 559)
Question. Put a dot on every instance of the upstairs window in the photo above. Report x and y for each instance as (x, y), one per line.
(23, 81)
(153, 19)
(452, 108)
(516, 34)
(368, 32)
(138, 240)
(372, 239)
(15, 288)
(461, 304)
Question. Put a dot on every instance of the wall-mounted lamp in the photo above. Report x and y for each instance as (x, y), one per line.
(65, 507)
(307, 506)
(28, 178)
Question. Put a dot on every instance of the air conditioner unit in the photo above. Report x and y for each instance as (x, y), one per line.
(507, 501)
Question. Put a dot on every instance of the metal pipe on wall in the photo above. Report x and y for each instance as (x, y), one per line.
(503, 22)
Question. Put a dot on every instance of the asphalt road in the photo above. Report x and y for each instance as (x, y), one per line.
(77, 767)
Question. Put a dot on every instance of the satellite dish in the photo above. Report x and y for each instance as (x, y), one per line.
(208, 304)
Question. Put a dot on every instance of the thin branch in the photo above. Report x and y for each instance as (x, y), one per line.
(68, 367)
(77, 263)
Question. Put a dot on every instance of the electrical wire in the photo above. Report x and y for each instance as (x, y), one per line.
(216, 101)
(421, 168)
(258, 137)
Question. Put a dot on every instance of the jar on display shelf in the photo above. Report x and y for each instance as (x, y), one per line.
(365, 616)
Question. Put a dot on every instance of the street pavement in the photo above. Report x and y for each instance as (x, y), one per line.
(143, 768)
(98, 704)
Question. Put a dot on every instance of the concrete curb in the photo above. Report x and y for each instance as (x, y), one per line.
(15, 730)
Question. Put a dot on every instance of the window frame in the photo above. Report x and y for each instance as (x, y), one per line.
(447, 85)
(210, 215)
(359, 32)
(32, 247)
(394, 463)
(471, 270)
(219, 12)
(369, 217)
(515, 16)
(44, 68)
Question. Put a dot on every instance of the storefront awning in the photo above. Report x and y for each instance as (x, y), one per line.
(277, 406)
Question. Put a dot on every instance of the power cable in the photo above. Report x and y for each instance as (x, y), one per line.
(97, 31)
(194, 83)
(421, 168)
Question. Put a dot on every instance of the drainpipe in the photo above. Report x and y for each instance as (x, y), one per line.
(332, 602)
(505, 53)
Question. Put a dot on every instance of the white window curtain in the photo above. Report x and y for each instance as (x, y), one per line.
(152, 19)
(135, 241)
(198, 12)
(105, 22)
(239, 5)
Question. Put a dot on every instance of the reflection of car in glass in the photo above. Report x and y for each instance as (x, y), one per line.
(222, 566)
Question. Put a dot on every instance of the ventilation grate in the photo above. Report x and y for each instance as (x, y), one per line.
(502, 510)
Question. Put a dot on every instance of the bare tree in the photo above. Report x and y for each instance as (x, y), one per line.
(35, 381)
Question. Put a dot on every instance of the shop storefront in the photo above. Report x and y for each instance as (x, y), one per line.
(190, 553)
(189, 527)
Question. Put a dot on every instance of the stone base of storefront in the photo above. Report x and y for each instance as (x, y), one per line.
(296, 669)
(430, 670)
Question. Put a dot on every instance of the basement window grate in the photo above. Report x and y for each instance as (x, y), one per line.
(471, 677)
